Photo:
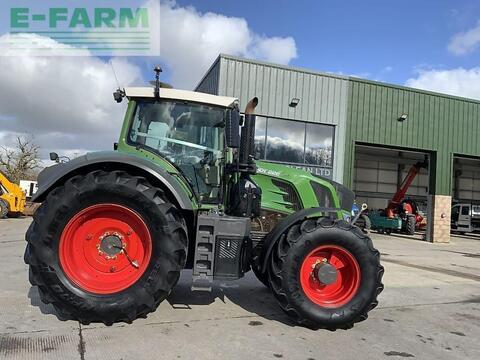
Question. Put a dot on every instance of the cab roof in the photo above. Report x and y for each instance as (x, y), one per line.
(148, 92)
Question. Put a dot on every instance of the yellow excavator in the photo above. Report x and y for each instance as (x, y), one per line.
(12, 198)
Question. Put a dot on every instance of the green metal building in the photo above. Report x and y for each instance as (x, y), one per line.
(349, 123)
(443, 126)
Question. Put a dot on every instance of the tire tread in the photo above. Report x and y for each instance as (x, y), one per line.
(52, 291)
(276, 273)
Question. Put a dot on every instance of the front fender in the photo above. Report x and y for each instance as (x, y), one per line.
(273, 236)
(55, 175)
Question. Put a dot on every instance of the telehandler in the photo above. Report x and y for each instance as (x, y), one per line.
(402, 214)
(182, 190)
(12, 198)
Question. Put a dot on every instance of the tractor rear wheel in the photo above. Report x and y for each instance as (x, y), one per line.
(105, 247)
(325, 274)
(410, 225)
(3, 208)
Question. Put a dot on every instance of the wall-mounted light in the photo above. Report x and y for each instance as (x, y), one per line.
(294, 102)
(403, 117)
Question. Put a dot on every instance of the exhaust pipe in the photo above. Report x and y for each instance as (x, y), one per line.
(251, 105)
(247, 142)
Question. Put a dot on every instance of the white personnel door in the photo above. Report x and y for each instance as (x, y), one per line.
(464, 218)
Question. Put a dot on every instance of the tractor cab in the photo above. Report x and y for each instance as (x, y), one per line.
(184, 128)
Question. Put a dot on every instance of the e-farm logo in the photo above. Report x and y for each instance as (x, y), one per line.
(130, 28)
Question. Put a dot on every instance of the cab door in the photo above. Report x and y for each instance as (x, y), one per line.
(464, 218)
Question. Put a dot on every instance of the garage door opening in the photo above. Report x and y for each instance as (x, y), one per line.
(380, 172)
(465, 214)
(466, 180)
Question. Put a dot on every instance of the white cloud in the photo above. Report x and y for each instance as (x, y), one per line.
(190, 41)
(465, 42)
(276, 49)
(460, 82)
(65, 102)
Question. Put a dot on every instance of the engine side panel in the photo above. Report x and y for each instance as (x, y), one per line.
(288, 190)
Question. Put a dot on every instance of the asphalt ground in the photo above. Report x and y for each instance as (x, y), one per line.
(430, 309)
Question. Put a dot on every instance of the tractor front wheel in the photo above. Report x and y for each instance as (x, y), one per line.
(105, 247)
(325, 274)
(263, 278)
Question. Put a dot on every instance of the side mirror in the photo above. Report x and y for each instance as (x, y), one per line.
(232, 129)
(54, 156)
(118, 95)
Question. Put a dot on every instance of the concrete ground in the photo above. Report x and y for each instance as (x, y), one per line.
(430, 309)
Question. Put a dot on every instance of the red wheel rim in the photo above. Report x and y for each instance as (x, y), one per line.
(346, 285)
(91, 245)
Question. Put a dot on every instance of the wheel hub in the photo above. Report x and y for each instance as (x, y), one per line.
(325, 273)
(105, 248)
(330, 276)
(111, 245)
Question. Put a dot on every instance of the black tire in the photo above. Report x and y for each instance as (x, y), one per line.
(364, 223)
(256, 261)
(3, 208)
(287, 258)
(263, 278)
(168, 249)
(410, 225)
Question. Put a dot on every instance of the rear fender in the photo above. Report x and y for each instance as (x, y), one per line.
(56, 175)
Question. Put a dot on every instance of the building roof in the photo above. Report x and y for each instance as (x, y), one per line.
(148, 92)
(338, 76)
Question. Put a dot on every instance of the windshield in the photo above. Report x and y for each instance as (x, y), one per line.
(189, 135)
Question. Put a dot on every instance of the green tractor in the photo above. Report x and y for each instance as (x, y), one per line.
(182, 190)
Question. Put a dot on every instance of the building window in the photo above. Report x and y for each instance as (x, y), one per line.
(318, 145)
(285, 141)
(260, 136)
(294, 142)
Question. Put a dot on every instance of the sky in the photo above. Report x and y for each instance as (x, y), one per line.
(66, 102)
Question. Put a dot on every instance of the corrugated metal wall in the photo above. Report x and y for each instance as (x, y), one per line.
(323, 97)
(363, 111)
(443, 124)
(209, 83)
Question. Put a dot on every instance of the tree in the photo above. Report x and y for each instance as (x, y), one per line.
(20, 162)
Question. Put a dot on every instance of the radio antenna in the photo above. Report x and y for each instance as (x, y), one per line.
(114, 74)
(119, 94)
